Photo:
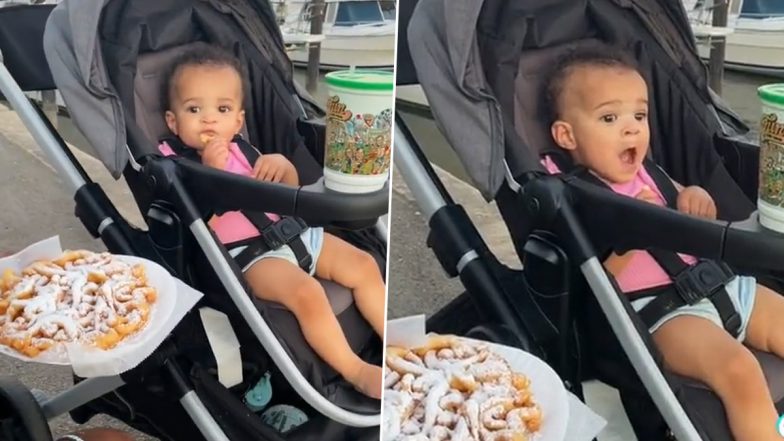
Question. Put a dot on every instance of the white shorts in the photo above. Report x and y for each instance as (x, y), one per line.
(313, 238)
(742, 291)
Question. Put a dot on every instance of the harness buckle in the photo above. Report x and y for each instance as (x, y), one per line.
(701, 281)
(282, 232)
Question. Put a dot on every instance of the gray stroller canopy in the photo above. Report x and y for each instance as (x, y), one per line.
(456, 44)
(77, 57)
(74, 56)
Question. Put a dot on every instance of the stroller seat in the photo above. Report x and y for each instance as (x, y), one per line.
(481, 67)
(94, 50)
(529, 116)
(148, 105)
(701, 404)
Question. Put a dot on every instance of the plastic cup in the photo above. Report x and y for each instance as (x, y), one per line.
(771, 174)
(359, 130)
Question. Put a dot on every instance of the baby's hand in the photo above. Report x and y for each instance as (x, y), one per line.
(647, 195)
(696, 201)
(215, 153)
(275, 167)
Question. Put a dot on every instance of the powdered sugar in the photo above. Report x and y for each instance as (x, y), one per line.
(80, 296)
(456, 389)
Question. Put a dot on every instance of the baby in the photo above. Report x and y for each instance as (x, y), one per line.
(599, 115)
(205, 113)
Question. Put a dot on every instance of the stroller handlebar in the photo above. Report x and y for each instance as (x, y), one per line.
(624, 223)
(221, 191)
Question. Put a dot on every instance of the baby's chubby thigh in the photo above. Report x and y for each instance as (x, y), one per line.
(281, 281)
(696, 347)
(765, 331)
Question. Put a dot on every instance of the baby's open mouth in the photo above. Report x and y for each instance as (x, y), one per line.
(629, 156)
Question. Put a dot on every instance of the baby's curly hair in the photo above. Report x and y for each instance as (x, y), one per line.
(201, 55)
(599, 55)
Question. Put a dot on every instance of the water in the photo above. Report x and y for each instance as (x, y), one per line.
(739, 91)
(300, 76)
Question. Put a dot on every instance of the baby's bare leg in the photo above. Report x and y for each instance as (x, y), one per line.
(355, 269)
(280, 281)
(764, 331)
(697, 348)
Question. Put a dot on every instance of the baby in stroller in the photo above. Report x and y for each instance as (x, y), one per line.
(205, 113)
(598, 108)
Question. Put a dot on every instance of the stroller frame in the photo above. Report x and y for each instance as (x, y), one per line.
(432, 197)
(109, 230)
(549, 204)
(102, 220)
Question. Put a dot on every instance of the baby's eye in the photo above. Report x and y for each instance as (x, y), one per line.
(224, 109)
(609, 118)
(641, 116)
(193, 109)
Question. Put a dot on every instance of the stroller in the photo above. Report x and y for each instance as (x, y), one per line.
(107, 58)
(480, 66)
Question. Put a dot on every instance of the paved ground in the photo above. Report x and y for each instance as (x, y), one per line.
(35, 205)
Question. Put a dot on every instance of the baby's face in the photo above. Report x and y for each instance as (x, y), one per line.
(206, 103)
(605, 121)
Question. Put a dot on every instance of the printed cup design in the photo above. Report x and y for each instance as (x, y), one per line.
(357, 143)
(772, 160)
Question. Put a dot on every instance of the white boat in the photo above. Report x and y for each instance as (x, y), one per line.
(358, 33)
(754, 34)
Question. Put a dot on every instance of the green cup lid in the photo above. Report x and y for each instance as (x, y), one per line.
(360, 79)
(773, 93)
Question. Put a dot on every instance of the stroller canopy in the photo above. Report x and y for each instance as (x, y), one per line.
(92, 47)
(464, 49)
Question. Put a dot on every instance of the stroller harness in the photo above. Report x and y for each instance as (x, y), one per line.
(273, 234)
(691, 283)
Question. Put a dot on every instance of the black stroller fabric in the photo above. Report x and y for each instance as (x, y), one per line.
(131, 28)
(693, 135)
(127, 30)
(684, 129)
(23, 57)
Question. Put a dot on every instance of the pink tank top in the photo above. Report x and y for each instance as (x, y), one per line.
(232, 226)
(643, 271)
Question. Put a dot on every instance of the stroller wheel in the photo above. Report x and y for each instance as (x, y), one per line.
(21, 418)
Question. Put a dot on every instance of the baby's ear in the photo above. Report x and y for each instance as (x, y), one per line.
(171, 121)
(563, 135)
(240, 121)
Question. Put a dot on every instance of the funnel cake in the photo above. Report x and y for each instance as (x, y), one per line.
(81, 297)
(456, 389)
(205, 138)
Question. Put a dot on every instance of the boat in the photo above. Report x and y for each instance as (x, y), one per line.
(356, 33)
(754, 34)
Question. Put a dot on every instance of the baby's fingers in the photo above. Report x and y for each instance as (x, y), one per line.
(274, 176)
(265, 171)
(709, 209)
(684, 203)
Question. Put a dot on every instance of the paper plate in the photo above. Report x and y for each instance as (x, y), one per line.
(131, 350)
(546, 386)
